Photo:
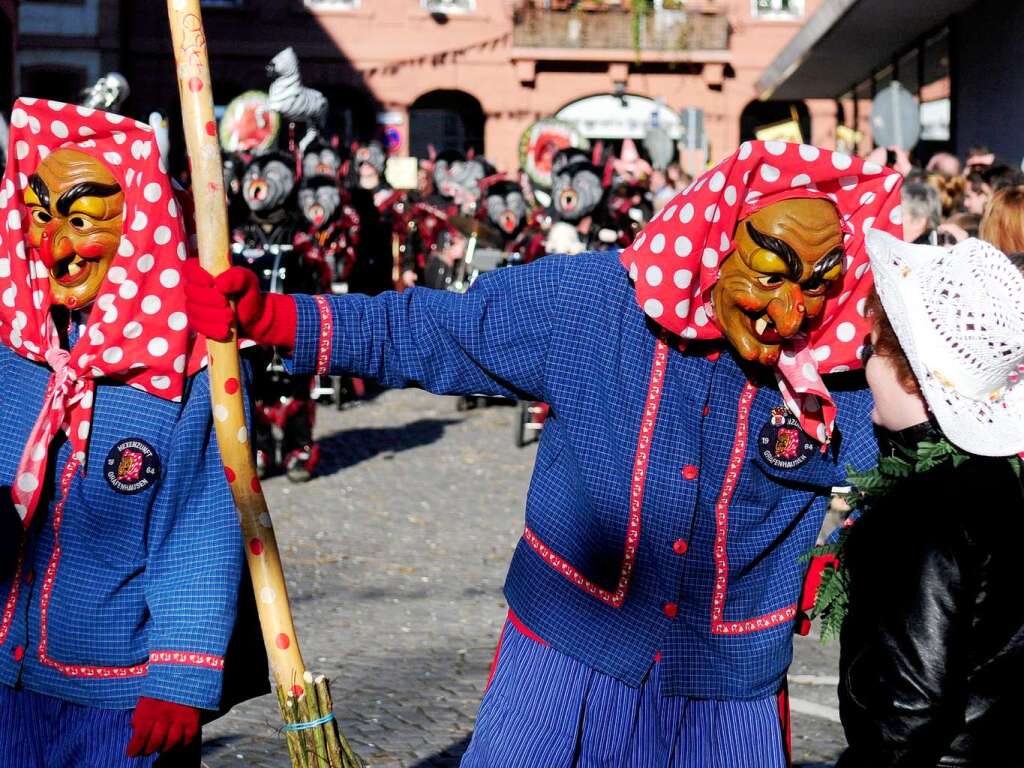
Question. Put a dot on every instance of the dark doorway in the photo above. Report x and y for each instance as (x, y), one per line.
(761, 114)
(53, 82)
(446, 120)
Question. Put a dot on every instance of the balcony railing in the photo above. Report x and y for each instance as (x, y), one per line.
(616, 28)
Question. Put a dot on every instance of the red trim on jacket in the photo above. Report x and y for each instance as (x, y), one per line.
(636, 501)
(12, 597)
(323, 356)
(721, 551)
(188, 658)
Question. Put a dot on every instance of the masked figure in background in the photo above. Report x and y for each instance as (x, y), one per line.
(271, 244)
(506, 209)
(457, 179)
(427, 236)
(322, 159)
(577, 193)
(367, 169)
(627, 208)
(120, 595)
(447, 166)
(627, 211)
(700, 416)
(382, 213)
(331, 234)
(567, 156)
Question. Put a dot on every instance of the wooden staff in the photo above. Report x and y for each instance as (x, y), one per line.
(262, 553)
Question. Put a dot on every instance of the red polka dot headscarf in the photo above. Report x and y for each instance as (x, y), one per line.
(137, 331)
(675, 260)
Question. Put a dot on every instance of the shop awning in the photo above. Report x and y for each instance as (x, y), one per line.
(846, 40)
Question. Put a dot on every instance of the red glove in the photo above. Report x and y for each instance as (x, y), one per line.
(160, 726)
(266, 318)
(810, 591)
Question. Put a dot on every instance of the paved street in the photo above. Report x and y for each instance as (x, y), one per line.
(396, 554)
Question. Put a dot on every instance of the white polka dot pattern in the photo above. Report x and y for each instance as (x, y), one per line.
(689, 241)
(139, 335)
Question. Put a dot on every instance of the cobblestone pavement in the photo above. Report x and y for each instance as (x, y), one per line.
(395, 556)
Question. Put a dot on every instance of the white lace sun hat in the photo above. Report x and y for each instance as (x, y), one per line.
(959, 317)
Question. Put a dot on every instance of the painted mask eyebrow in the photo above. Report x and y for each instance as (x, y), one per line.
(779, 247)
(85, 189)
(41, 190)
(828, 262)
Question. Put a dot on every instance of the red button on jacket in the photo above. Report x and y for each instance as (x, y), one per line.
(671, 610)
(690, 472)
(680, 546)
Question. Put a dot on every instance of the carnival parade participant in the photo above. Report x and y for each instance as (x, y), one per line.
(694, 437)
(933, 642)
(271, 243)
(118, 608)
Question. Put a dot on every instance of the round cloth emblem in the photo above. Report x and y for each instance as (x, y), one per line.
(782, 444)
(131, 466)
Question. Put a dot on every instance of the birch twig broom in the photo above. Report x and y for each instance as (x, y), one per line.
(312, 734)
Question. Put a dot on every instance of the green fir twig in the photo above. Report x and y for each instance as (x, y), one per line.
(832, 598)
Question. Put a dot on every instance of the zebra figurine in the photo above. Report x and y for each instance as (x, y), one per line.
(292, 99)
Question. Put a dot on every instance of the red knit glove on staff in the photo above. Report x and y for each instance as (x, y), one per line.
(266, 318)
(160, 726)
(810, 591)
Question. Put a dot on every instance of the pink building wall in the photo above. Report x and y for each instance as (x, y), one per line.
(399, 52)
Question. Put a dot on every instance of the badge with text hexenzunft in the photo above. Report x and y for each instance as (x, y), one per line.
(782, 444)
(131, 466)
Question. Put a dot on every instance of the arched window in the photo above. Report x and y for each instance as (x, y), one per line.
(445, 120)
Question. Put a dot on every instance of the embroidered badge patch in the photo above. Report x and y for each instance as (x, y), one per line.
(782, 443)
(131, 466)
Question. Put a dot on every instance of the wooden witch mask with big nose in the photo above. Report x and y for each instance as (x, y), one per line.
(787, 258)
(76, 207)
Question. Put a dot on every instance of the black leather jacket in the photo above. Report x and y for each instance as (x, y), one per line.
(932, 653)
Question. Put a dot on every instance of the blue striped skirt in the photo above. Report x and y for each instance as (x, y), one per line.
(39, 731)
(546, 710)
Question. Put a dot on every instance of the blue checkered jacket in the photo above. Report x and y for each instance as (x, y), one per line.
(123, 589)
(655, 523)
